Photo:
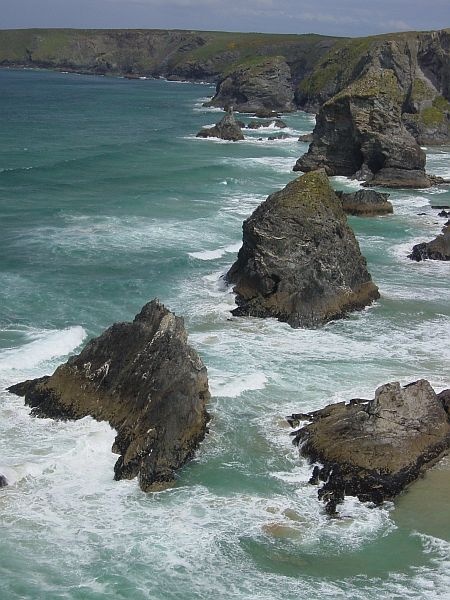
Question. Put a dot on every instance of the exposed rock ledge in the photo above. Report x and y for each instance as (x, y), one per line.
(146, 381)
(366, 203)
(374, 449)
(437, 249)
(300, 261)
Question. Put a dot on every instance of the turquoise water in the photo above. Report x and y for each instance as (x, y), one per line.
(107, 200)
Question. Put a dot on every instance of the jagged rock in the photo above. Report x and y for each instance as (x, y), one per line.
(226, 129)
(266, 113)
(264, 84)
(444, 213)
(3, 482)
(359, 132)
(146, 381)
(267, 123)
(300, 261)
(444, 397)
(373, 450)
(306, 137)
(437, 249)
(365, 203)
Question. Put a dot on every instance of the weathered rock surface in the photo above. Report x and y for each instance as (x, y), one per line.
(365, 203)
(437, 249)
(3, 482)
(267, 123)
(359, 132)
(226, 129)
(260, 85)
(146, 381)
(306, 137)
(300, 261)
(374, 449)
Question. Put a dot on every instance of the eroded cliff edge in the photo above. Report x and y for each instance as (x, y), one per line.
(146, 381)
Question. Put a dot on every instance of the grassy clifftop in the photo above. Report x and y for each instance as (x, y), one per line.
(190, 54)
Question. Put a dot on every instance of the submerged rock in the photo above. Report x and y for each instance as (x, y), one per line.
(365, 203)
(3, 482)
(300, 261)
(146, 381)
(226, 129)
(374, 449)
(437, 249)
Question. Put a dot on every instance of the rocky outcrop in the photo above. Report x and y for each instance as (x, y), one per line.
(374, 449)
(257, 85)
(365, 203)
(226, 129)
(267, 123)
(437, 249)
(390, 95)
(359, 133)
(3, 482)
(146, 381)
(300, 261)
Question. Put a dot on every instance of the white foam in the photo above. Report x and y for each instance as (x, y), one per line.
(214, 254)
(230, 385)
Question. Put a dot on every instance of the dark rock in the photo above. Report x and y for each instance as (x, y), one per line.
(279, 136)
(373, 451)
(3, 482)
(437, 249)
(146, 381)
(444, 397)
(300, 261)
(365, 203)
(444, 213)
(274, 122)
(307, 137)
(359, 132)
(227, 129)
(256, 86)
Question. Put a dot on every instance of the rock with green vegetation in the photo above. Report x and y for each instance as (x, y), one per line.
(437, 249)
(257, 84)
(373, 449)
(365, 203)
(226, 129)
(359, 132)
(300, 261)
(146, 381)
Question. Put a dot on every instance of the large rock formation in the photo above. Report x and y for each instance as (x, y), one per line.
(374, 449)
(226, 129)
(3, 482)
(380, 98)
(300, 261)
(146, 381)
(260, 84)
(359, 132)
(365, 203)
(437, 249)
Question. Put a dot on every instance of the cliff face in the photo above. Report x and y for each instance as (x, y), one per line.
(300, 261)
(379, 108)
(144, 379)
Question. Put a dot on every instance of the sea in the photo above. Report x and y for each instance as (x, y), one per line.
(108, 200)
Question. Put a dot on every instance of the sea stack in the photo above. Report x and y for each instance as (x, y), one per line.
(146, 381)
(374, 449)
(226, 129)
(366, 203)
(437, 249)
(300, 261)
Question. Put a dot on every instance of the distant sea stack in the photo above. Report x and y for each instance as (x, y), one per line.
(300, 261)
(374, 449)
(366, 203)
(226, 129)
(146, 381)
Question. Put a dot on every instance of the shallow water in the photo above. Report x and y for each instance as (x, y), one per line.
(107, 200)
